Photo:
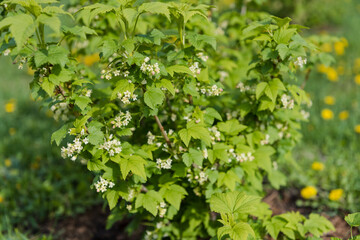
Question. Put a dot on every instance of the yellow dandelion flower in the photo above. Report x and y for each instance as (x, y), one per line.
(1, 199)
(357, 128)
(10, 106)
(322, 68)
(327, 114)
(12, 131)
(326, 47)
(329, 100)
(343, 115)
(8, 163)
(317, 166)
(308, 192)
(91, 59)
(331, 74)
(357, 79)
(336, 194)
(339, 48)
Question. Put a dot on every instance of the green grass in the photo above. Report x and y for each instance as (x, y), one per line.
(36, 184)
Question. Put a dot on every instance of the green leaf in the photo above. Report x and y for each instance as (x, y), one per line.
(277, 179)
(168, 85)
(318, 225)
(229, 179)
(231, 127)
(51, 21)
(353, 219)
(134, 163)
(198, 41)
(89, 12)
(21, 27)
(185, 136)
(178, 69)
(55, 55)
(283, 50)
(79, 31)
(82, 102)
(112, 197)
(153, 97)
(48, 86)
(155, 7)
(260, 88)
(96, 136)
(59, 75)
(239, 231)
(197, 131)
(149, 201)
(193, 156)
(283, 35)
(232, 202)
(59, 134)
(109, 47)
(174, 194)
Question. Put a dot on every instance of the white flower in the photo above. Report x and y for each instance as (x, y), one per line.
(300, 62)
(88, 93)
(102, 185)
(6, 52)
(163, 164)
(266, 140)
(287, 102)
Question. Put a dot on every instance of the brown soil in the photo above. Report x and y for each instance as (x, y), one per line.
(91, 224)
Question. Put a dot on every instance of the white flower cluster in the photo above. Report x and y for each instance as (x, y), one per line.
(60, 111)
(201, 178)
(202, 56)
(121, 120)
(21, 64)
(162, 209)
(213, 91)
(266, 140)
(43, 72)
(305, 114)
(242, 87)
(242, 157)
(148, 68)
(216, 134)
(163, 164)
(126, 97)
(88, 93)
(283, 129)
(73, 149)
(102, 185)
(205, 153)
(109, 74)
(151, 138)
(6, 52)
(287, 102)
(195, 69)
(300, 62)
(112, 146)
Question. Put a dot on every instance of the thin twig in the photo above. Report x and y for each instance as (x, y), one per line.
(61, 90)
(306, 78)
(163, 131)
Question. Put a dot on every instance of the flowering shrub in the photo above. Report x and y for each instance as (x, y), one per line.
(186, 114)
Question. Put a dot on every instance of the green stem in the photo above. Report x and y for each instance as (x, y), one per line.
(136, 21)
(351, 232)
(38, 37)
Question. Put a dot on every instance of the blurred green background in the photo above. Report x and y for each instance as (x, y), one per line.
(36, 184)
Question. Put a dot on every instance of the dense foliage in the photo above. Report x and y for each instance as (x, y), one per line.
(182, 111)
